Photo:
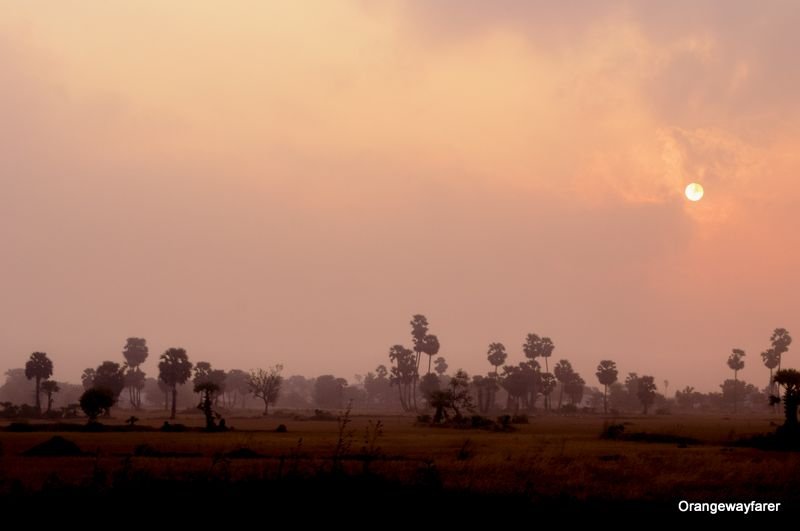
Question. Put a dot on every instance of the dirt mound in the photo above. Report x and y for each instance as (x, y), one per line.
(54, 447)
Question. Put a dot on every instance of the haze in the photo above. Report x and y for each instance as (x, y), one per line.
(288, 182)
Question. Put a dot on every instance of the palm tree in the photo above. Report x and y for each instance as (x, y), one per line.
(430, 346)
(780, 343)
(646, 391)
(50, 387)
(441, 366)
(496, 355)
(790, 380)
(607, 375)
(536, 346)
(770, 359)
(736, 363)
(547, 383)
(135, 353)
(564, 372)
(174, 369)
(38, 367)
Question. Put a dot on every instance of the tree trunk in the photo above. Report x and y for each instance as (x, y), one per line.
(266, 407)
(38, 390)
(174, 401)
(560, 395)
(605, 399)
(735, 382)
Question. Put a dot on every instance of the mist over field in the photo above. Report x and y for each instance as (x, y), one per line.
(264, 183)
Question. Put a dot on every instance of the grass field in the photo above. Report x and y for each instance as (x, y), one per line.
(556, 460)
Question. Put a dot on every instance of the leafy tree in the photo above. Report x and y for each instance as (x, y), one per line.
(564, 373)
(486, 387)
(419, 331)
(428, 384)
(780, 340)
(402, 374)
(202, 372)
(237, 386)
(547, 384)
(110, 375)
(174, 369)
(516, 383)
(496, 355)
(329, 391)
(266, 385)
(95, 401)
(378, 387)
(456, 398)
(789, 379)
(574, 388)
(50, 387)
(646, 391)
(134, 380)
(688, 398)
(736, 363)
(135, 353)
(440, 366)
(606, 375)
(207, 392)
(538, 347)
(38, 368)
(87, 378)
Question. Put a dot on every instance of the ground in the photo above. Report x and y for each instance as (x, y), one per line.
(555, 461)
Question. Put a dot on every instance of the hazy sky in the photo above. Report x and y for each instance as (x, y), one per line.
(264, 182)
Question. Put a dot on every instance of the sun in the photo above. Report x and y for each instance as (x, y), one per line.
(694, 192)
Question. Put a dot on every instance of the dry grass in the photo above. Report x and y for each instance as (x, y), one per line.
(550, 458)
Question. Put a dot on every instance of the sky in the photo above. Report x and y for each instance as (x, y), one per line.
(289, 182)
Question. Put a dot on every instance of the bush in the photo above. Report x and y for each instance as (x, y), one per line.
(612, 431)
(95, 401)
(519, 419)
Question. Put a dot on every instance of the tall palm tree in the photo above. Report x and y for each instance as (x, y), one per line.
(563, 371)
(135, 353)
(536, 346)
(50, 387)
(430, 346)
(790, 380)
(174, 369)
(770, 359)
(38, 368)
(547, 383)
(736, 363)
(607, 375)
(496, 355)
(780, 343)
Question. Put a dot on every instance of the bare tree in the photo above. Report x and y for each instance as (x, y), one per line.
(266, 384)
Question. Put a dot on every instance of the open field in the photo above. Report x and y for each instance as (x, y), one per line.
(558, 461)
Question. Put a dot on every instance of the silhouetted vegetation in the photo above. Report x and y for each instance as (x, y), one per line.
(174, 369)
(96, 401)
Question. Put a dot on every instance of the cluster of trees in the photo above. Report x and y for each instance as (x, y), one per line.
(514, 387)
(524, 384)
(103, 385)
